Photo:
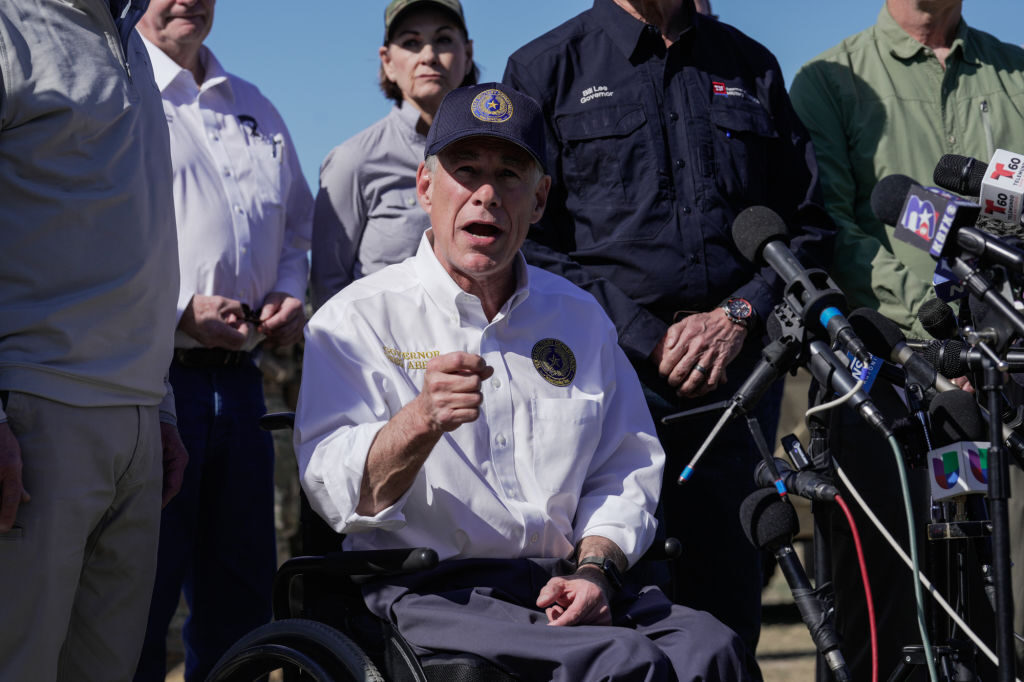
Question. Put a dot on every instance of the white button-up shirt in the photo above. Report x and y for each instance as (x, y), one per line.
(244, 211)
(564, 447)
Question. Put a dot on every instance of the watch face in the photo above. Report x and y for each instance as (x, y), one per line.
(739, 308)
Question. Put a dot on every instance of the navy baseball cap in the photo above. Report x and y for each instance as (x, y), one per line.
(488, 110)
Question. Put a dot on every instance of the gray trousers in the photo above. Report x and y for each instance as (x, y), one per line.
(487, 607)
(76, 572)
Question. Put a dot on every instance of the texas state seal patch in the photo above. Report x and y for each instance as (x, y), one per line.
(492, 106)
(554, 361)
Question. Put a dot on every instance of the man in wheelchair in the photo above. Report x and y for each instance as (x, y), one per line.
(464, 401)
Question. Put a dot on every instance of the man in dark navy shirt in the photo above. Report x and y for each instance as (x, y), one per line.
(663, 124)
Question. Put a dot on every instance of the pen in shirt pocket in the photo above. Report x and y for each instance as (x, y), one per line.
(278, 140)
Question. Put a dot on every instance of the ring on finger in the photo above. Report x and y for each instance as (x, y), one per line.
(701, 369)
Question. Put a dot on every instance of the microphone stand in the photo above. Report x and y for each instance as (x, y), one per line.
(998, 494)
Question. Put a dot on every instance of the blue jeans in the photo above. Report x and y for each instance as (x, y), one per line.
(217, 535)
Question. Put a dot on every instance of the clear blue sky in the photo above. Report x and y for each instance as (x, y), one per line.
(317, 59)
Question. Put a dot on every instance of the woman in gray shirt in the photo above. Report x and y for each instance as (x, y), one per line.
(366, 213)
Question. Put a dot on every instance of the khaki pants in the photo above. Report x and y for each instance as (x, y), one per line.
(77, 570)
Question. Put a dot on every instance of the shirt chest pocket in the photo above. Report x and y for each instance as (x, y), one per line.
(566, 432)
(603, 152)
(745, 135)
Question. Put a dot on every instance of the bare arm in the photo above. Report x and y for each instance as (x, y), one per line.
(450, 397)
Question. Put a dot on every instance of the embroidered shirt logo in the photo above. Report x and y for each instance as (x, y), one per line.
(594, 92)
(554, 361)
(719, 89)
(409, 360)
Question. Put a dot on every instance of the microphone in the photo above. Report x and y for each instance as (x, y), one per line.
(957, 467)
(999, 186)
(770, 523)
(807, 484)
(939, 223)
(758, 233)
(939, 320)
(884, 339)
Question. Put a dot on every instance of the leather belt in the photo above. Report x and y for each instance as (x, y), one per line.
(211, 357)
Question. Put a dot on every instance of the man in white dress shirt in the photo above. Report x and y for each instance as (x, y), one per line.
(244, 217)
(465, 401)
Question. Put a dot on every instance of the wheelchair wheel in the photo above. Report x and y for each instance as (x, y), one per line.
(303, 649)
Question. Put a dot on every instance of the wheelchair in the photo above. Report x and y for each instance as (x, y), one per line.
(322, 630)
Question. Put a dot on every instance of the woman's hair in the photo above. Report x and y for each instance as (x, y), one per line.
(393, 92)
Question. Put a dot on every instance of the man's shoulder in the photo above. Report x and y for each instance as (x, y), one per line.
(546, 284)
(992, 50)
(557, 41)
(397, 278)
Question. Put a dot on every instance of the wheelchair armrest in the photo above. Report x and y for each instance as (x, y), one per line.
(276, 421)
(670, 549)
(352, 565)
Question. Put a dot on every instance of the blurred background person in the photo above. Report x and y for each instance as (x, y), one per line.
(366, 213)
(244, 216)
(88, 279)
(894, 98)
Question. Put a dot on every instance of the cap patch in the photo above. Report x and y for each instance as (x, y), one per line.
(492, 106)
(554, 361)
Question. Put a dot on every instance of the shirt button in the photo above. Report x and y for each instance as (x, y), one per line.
(680, 163)
(213, 136)
(686, 210)
(500, 440)
(534, 538)
(952, 139)
(496, 382)
(673, 116)
(227, 172)
(410, 201)
(238, 209)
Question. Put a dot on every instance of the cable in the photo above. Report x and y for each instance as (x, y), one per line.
(906, 560)
(929, 655)
(867, 586)
(838, 401)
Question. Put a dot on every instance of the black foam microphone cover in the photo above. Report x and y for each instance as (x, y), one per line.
(878, 332)
(938, 319)
(754, 227)
(960, 174)
(946, 357)
(888, 196)
(768, 521)
(955, 417)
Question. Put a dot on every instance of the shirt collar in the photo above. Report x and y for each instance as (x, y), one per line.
(903, 46)
(166, 71)
(450, 297)
(623, 29)
(126, 14)
(408, 116)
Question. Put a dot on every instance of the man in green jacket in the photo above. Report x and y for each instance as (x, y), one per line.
(893, 99)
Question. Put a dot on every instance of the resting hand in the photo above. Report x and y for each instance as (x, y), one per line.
(451, 390)
(175, 459)
(12, 492)
(215, 322)
(579, 599)
(710, 339)
(281, 319)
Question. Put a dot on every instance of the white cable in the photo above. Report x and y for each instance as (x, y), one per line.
(921, 576)
(838, 401)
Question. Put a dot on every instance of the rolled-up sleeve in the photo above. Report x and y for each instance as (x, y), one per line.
(341, 408)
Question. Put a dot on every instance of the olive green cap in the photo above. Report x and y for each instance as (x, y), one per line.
(396, 7)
